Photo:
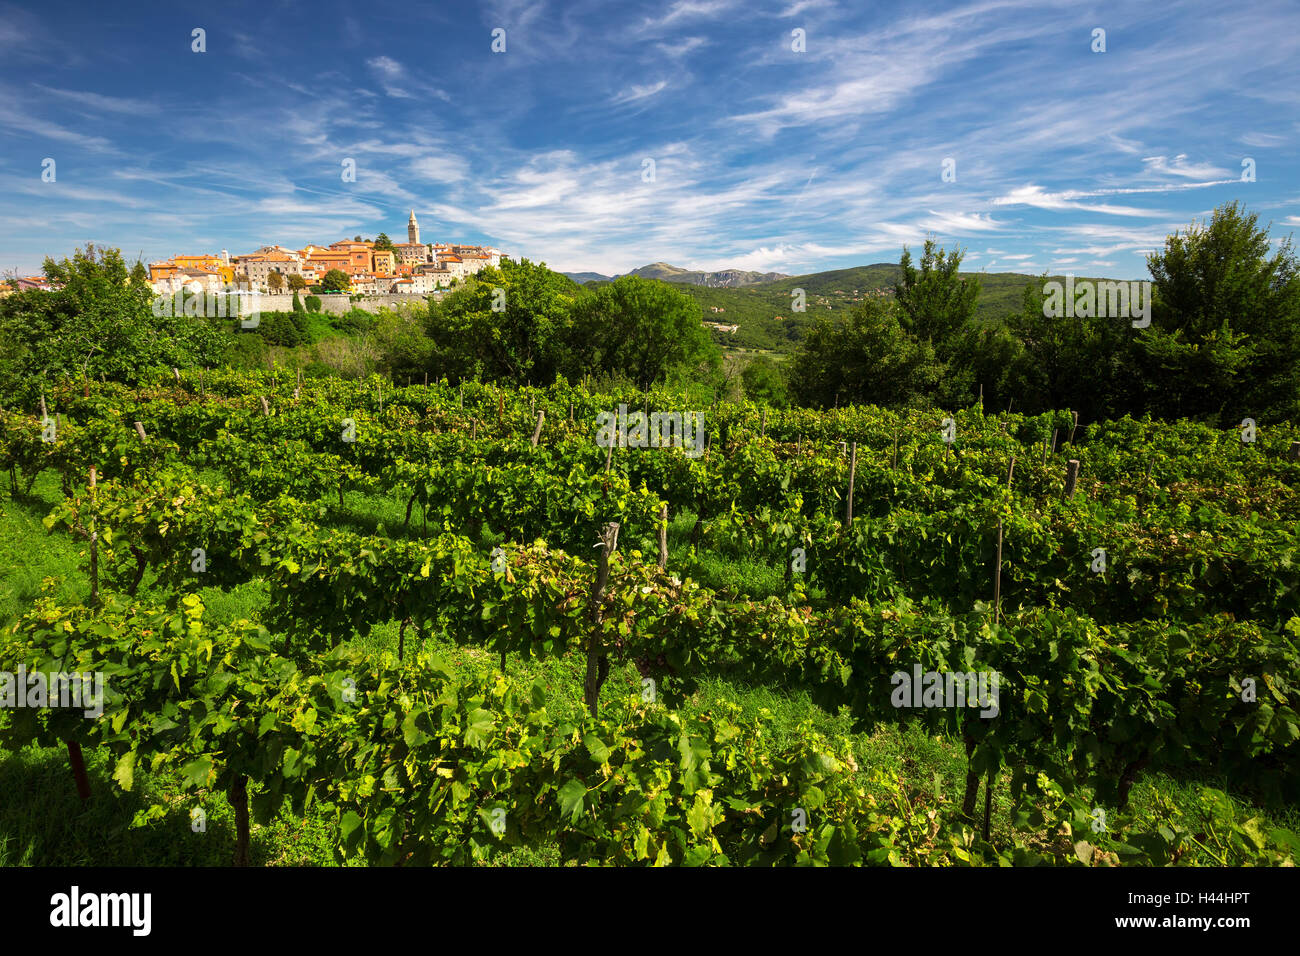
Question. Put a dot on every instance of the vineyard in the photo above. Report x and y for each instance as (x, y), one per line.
(447, 626)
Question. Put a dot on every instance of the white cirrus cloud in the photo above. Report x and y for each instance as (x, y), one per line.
(401, 83)
(634, 92)
(1180, 166)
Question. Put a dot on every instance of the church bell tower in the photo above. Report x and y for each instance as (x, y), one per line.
(412, 230)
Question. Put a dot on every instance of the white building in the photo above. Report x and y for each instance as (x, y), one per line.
(191, 280)
(259, 266)
(415, 285)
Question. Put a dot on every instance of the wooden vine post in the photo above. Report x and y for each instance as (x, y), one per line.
(997, 579)
(609, 453)
(1071, 477)
(853, 470)
(597, 660)
(238, 797)
(94, 548)
(139, 430)
(1293, 453)
(78, 764)
(76, 760)
(266, 408)
(988, 801)
(537, 433)
(663, 535)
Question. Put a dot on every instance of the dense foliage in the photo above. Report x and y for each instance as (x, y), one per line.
(1181, 654)
(1222, 343)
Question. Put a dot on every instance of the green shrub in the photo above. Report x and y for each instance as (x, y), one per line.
(353, 321)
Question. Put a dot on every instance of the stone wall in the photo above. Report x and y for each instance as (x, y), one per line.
(339, 304)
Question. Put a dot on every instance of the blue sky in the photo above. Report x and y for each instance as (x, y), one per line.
(765, 158)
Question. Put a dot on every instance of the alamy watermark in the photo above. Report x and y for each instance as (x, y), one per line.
(231, 301)
(946, 689)
(1086, 299)
(683, 430)
(75, 908)
(57, 689)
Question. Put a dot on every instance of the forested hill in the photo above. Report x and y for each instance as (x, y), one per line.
(767, 322)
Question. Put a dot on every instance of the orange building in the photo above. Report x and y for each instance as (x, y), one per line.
(359, 255)
(162, 270)
(206, 264)
(212, 263)
(317, 261)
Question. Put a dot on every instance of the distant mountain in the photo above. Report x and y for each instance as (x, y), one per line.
(762, 305)
(767, 319)
(722, 279)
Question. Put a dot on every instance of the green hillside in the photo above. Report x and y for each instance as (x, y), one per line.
(766, 321)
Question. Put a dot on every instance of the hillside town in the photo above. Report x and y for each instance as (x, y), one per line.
(373, 267)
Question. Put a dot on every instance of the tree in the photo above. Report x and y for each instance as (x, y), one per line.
(867, 358)
(1076, 362)
(139, 274)
(383, 243)
(296, 282)
(313, 303)
(1224, 339)
(935, 302)
(508, 322)
(765, 382)
(404, 348)
(97, 322)
(356, 238)
(641, 328)
(275, 282)
(336, 280)
(986, 359)
(297, 303)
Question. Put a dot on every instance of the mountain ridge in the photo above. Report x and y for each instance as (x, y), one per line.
(767, 319)
(729, 278)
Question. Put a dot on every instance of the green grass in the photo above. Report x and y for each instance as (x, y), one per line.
(35, 554)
